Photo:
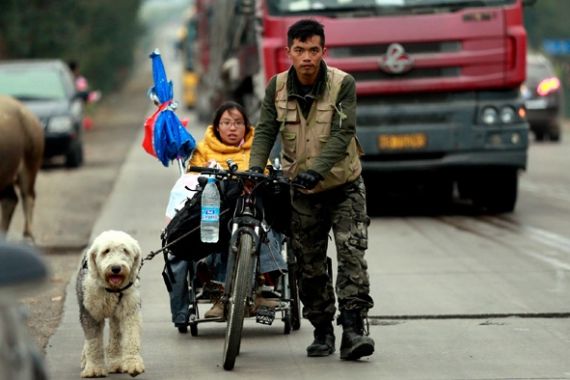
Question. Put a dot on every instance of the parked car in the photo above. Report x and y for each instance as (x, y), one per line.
(543, 96)
(21, 272)
(47, 88)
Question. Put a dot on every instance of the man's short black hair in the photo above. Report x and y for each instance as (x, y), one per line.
(304, 29)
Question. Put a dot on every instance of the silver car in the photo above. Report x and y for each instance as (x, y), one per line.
(543, 96)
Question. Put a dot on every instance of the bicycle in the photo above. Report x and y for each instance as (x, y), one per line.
(248, 228)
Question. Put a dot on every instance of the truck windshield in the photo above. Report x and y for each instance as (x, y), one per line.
(330, 7)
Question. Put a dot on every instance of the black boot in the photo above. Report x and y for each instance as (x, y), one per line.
(323, 345)
(354, 343)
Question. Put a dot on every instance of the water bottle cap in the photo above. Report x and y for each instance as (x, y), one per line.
(211, 179)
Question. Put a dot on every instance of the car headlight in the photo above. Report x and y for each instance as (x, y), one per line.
(489, 116)
(507, 115)
(60, 124)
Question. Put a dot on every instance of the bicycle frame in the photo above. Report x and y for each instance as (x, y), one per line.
(246, 221)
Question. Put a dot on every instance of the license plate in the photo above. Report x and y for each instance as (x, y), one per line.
(402, 141)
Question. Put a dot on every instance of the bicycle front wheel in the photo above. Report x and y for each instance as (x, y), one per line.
(241, 288)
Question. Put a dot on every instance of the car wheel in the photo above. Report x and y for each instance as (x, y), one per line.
(74, 156)
(554, 134)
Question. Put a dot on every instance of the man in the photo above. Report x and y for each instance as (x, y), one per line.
(313, 107)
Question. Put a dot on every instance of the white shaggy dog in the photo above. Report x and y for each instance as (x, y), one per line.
(107, 288)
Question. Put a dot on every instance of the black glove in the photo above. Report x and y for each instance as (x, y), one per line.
(256, 169)
(308, 179)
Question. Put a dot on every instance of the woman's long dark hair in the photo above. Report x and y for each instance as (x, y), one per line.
(225, 106)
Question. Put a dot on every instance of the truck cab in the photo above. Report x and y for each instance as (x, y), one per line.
(438, 86)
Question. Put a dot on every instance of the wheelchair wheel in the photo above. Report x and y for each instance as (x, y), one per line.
(284, 287)
(295, 309)
(193, 311)
(241, 289)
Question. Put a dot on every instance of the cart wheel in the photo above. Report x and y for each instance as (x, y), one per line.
(287, 322)
(194, 329)
(295, 310)
(193, 311)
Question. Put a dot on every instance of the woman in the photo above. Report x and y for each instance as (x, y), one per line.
(229, 137)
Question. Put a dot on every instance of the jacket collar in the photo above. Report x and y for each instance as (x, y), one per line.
(215, 145)
(293, 83)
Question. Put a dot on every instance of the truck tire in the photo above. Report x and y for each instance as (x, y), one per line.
(496, 192)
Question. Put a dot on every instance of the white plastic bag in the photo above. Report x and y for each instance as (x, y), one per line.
(180, 193)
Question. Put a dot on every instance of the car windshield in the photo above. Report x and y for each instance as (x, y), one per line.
(328, 7)
(31, 84)
(537, 69)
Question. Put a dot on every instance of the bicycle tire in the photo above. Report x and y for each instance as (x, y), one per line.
(241, 289)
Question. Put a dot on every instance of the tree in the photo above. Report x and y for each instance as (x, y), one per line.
(101, 35)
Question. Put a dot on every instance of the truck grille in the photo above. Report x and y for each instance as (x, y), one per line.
(416, 50)
(378, 50)
(446, 72)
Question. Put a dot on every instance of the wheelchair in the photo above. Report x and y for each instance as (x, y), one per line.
(250, 223)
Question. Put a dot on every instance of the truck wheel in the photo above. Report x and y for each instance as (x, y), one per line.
(439, 193)
(496, 192)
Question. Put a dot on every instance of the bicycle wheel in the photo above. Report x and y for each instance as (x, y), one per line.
(241, 289)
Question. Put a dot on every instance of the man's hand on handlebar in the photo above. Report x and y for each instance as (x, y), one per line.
(308, 179)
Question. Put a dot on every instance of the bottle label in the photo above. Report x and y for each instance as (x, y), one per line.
(210, 214)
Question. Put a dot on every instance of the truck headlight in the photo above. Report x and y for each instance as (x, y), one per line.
(60, 124)
(489, 116)
(507, 115)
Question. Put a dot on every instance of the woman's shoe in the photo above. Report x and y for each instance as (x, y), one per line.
(216, 311)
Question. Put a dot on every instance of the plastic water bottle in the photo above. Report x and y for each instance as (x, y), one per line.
(210, 219)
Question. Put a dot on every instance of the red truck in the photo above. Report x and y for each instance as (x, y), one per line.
(438, 83)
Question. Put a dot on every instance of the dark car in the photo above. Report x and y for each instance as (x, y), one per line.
(47, 88)
(542, 92)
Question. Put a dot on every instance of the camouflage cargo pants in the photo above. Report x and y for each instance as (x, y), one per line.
(344, 210)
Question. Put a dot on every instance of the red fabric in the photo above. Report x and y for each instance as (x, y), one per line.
(149, 123)
(87, 123)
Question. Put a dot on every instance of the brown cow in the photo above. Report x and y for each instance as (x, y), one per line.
(21, 156)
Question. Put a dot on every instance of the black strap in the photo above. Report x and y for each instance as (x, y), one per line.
(119, 290)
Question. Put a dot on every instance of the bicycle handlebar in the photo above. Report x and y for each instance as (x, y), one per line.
(229, 174)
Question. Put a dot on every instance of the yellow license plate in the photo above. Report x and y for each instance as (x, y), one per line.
(402, 141)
